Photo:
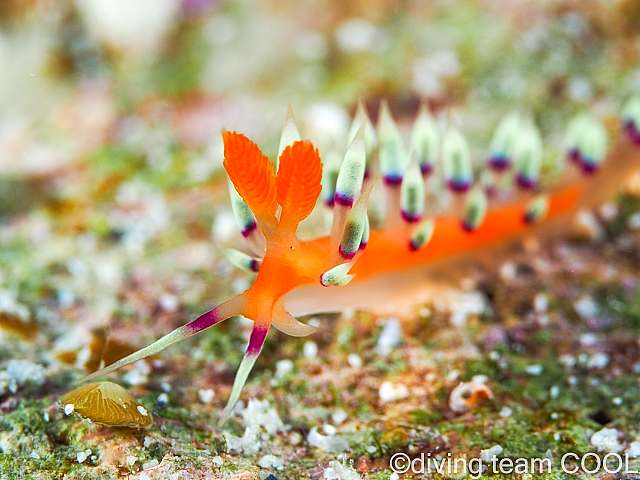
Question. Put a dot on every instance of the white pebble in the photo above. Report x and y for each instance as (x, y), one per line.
(633, 222)
(329, 429)
(505, 412)
(606, 440)
(588, 339)
(310, 349)
(339, 416)
(82, 456)
(150, 464)
(554, 391)
(354, 360)
(169, 302)
(217, 460)
(327, 443)
(634, 449)
(534, 369)
(206, 395)
(598, 360)
(148, 441)
(488, 454)
(390, 392)
(270, 461)
(586, 307)
(540, 303)
(390, 337)
(283, 367)
(508, 271)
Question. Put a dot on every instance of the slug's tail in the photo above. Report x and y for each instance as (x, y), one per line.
(230, 308)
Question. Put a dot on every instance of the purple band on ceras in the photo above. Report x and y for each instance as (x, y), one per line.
(526, 182)
(458, 186)
(426, 169)
(347, 255)
(499, 162)
(392, 179)
(205, 320)
(344, 200)
(410, 217)
(248, 228)
(632, 131)
(467, 227)
(256, 341)
(586, 164)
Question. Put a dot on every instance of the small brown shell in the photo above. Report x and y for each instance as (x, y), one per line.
(106, 403)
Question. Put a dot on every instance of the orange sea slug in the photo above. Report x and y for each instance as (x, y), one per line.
(293, 274)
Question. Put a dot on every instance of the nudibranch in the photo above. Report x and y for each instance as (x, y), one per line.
(292, 274)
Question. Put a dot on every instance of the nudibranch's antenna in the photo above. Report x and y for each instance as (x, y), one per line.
(268, 207)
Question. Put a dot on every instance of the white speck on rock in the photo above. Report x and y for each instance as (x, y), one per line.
(633, 222)
(150, 464)
(139, 375)
(505, 412)
(339, 416)
(340, 471)
(310, 349)
(598, 360)
(354, 360)
(261, 413)
(206, 395)
(169, 302)
(148, 441)
(143, 411)
(270, 461)
(508, 271)
(82, 456)
(534, 369)
(487, 455)
(19, 373)
(588, 339)
(68, 409)
(540, 303)
(634, 450)
(606, 440)
(390, 337)
(586, 307)
(390, 392)
(283, 367)
(327, 443)
(329, 429)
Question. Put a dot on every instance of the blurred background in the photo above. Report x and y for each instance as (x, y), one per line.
(113, 199)
(153, 75)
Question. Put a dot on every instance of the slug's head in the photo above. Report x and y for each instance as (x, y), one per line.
(268, 207)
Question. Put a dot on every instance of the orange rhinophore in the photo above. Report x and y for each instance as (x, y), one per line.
(292, 274)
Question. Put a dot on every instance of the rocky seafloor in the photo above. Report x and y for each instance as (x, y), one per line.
(113, 205)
